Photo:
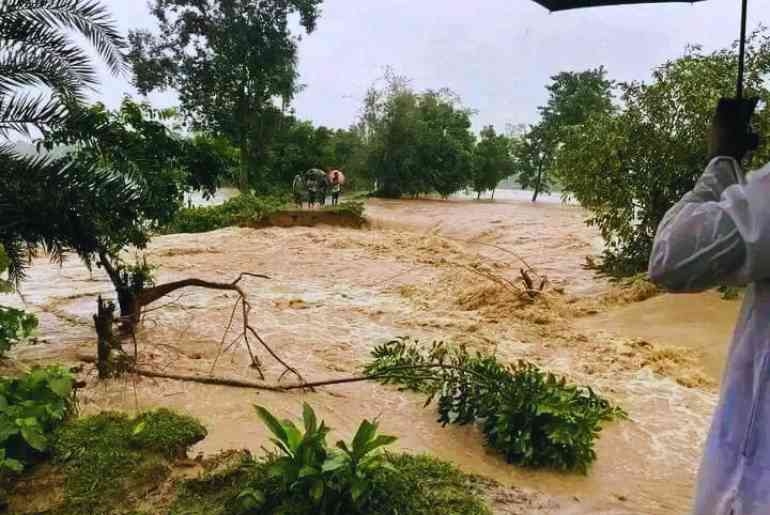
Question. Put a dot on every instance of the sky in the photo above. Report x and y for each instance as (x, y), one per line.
(497, 55)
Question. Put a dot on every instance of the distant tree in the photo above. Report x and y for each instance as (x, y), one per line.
(445, 144)
(533, 154)
(417, 143)
(492, 161)
(230, 60)
(573, 97)
(629, 166)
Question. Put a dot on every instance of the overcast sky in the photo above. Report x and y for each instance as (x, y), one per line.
(496, 54)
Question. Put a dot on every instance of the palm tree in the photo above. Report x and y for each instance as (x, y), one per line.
(44, 76)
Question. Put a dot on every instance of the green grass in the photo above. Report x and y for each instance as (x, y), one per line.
(246, 210)
(243, 209)
(109, 457)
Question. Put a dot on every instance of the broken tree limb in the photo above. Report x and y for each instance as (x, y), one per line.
(221, 381)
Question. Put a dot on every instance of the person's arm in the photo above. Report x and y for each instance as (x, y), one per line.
(719, 233)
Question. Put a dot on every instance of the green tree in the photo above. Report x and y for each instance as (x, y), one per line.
(573, 97)
(629, 167)
(230, 60)
(43, 76)
(445, 143)
(492, 161)
(152, 168)
(417, 143)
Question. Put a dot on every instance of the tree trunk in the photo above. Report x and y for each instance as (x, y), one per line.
(478, 195)
(106, 341)
(493, 193)
(243, 175)
(538, 181)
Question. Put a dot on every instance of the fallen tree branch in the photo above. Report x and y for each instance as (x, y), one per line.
(221, 381)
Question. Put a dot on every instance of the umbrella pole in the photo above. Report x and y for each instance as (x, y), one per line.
(741, 51)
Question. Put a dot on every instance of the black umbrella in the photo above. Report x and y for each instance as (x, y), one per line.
(563, 5)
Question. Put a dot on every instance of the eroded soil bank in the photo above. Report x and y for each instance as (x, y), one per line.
(430, 270)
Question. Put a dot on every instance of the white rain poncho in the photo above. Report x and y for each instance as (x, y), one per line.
(719, 233)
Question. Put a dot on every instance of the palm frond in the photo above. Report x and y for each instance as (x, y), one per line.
(20, 113)
(89, 17)
(59, 205)
(34, 55)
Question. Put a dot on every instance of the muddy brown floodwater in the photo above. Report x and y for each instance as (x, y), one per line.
(421, 270)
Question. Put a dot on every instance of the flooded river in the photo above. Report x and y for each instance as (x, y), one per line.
(422, 270)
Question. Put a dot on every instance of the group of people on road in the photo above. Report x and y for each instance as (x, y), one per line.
(315, 185)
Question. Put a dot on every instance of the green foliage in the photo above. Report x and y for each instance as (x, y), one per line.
(44, 74)
(413, 485)
(244, 210)
(629, 166)
(492, 160)
(352, 208)
(531, 417)
(106, 455)
(310, 474)
(229, 60)
(418, 143)
(730, 292)
(423, 485)
(31, 408)
(573, 98)
(15, 326)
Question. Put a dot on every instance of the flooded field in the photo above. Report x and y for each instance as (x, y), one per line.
(422, 270)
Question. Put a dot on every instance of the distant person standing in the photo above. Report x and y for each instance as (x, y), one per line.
(336, 187)
(323, 189)
(298, 189)
(312, 190)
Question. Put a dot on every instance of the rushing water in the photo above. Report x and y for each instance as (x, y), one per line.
(335, 293)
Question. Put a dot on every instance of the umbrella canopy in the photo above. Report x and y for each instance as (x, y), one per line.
(563, 5)
(338, 174)
(315, 173)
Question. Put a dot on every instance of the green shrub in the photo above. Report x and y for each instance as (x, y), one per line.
(31, 408)
(531, 417)
(244, 210)
(15, 326)
(408, 485)
(311, 477)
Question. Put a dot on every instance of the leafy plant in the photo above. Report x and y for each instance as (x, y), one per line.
(15, 325)
(31, 408)
(328, 481)
(531, 417)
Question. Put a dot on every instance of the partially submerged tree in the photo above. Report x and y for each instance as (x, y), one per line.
(573, 97)
(418, 143)
(230, 60)
(492, 161)
(629, 167)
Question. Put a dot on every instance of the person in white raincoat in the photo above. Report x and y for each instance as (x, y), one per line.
(719, 233)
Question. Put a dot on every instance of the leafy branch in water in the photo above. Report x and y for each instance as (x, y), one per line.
(531, 417)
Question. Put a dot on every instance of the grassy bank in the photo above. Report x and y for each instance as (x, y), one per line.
(253, 211)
